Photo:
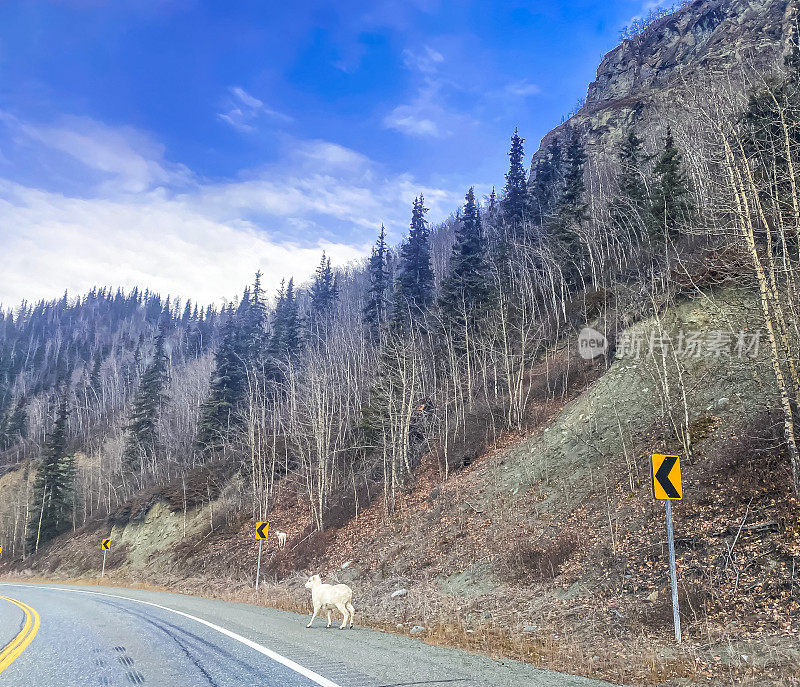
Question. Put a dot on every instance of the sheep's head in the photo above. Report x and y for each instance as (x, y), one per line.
(313, 581)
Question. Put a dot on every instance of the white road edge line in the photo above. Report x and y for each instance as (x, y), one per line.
(269, 653)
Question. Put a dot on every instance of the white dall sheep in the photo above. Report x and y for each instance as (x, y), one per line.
(326, 597)
(281, 539)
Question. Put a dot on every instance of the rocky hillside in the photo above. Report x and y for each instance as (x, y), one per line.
(707, 40)
(706, 36)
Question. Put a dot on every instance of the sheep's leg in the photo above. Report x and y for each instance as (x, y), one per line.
(313, 615)
(329, 617)
(352, 613)
(343, 610)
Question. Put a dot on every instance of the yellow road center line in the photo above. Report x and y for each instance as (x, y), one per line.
(12, 651)
(23, 633)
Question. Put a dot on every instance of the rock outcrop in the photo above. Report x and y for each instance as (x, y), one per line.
(705, 39)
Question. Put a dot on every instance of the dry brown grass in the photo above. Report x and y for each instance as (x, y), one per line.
(530, 561)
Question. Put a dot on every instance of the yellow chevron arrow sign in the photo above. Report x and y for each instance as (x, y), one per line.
(667, 477)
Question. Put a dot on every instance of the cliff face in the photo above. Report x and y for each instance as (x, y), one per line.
(705, 39)
(708, 35)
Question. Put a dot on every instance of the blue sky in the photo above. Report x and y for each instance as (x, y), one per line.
(182, 145)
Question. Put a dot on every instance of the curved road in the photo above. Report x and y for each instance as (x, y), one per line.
(108, 636)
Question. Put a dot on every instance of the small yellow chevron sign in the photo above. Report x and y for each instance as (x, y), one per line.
(262, 530)
(106, 544)
(667, 477)
(1, 549)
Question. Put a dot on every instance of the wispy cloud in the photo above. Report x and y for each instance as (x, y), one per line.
(425, 60)
(415, 118)
(128, 160)
(427, 114)
(242, 110)
(522, 88)
(176, 233)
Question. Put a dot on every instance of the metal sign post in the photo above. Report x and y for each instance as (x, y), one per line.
(106, 545)
(667, 487)
(673, 575)
(258, 569)
(262, 532)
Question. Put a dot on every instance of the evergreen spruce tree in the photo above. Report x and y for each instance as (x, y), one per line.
(376, 306)
(324, 293)
(571, 205)
(18, 420)
(545, 183)
(94, 376)
(252, 326)
(515, 193)
(672, 204)
(13, 424)
(242, 353)
(414, 289)
(492, 209)
(465, 290)
(633, 201)
(54, 487)
(276, 336)
(201, 332)
(324, 290)
(286, 325)
(142, 438)
(244, 303)
(570, 213)
(228, 384)
(193, 339)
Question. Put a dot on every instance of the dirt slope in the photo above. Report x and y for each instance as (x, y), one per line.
(550, 547)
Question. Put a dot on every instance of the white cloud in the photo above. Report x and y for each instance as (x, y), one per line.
(427, 115)
(411, 119)
(243, 110)
(131, 161)
(63, 243)
(177, 234)
(246, 99)
(425, 60)
(522, 88)
(332, 155)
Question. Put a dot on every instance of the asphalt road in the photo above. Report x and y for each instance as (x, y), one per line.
(110, 636)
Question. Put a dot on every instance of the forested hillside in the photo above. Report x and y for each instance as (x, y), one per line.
(342, 384)
(676, 181)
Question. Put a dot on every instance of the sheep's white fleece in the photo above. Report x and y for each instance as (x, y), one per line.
(326, 597)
